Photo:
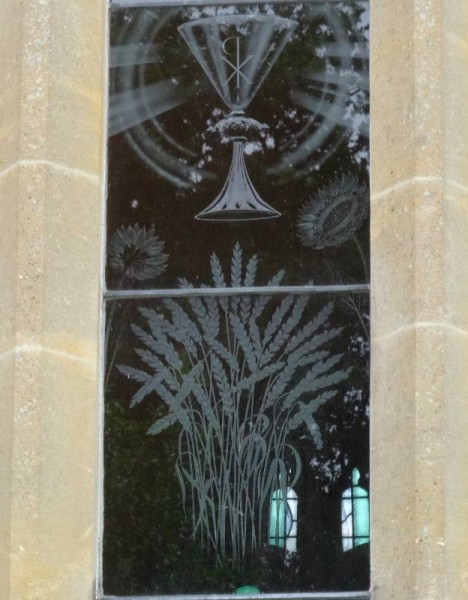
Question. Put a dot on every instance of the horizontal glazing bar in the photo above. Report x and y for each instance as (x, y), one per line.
(116, 4)
(241, 291)
(305, 596)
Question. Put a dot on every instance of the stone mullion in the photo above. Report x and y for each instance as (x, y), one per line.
(53, 458)
(455, 144)
(419, 249)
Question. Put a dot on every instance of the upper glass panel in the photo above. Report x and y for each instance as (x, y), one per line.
(238, 124)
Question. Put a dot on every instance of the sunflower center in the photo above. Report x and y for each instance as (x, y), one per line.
(337, 216)
(134, 258)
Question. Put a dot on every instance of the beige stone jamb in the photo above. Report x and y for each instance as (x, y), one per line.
(51, 145)
(419, 411)
(10, 82)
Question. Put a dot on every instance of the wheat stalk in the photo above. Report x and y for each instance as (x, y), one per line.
(236, 384)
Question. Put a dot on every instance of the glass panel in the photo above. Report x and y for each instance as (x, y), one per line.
(232, 428)
(238, 157)
(244, 124)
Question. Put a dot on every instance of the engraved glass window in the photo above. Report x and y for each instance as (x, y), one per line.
(236, 335)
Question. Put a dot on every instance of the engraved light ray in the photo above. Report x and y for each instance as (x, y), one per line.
(135, 106)
(305, 150)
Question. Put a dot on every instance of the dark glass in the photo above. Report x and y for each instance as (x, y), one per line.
(168, 161)
(238, 157)
(175, 494)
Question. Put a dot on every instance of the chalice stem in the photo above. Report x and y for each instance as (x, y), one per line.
(238, 199)
(238, 183)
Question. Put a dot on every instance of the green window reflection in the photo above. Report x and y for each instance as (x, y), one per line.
(283, 520)
(354, 515)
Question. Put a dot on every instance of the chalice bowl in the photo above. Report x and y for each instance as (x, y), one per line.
(237, 53)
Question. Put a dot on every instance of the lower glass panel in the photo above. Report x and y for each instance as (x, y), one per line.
(236, 445)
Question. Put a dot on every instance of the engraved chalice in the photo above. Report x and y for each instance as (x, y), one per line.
(237, 52)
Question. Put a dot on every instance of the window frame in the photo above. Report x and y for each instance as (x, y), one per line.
(110, 295)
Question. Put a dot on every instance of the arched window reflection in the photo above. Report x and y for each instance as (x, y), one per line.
(283, 520)
(354, 515)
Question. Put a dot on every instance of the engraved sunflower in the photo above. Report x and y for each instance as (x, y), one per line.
(137, 253)
(334, 214)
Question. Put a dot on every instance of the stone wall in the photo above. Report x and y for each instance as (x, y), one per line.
(51, 149)
(419, 419)
(52, 95)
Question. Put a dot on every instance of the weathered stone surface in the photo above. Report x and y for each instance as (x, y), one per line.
(51, 128)
(10, 82)
(420, 312)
